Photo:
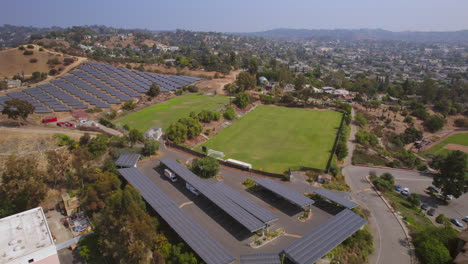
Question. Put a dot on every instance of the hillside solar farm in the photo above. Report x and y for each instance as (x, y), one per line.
(276, 139)
(95, 85)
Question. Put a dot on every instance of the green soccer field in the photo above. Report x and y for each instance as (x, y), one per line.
(163, 114)
(275, 139)
(438, 149)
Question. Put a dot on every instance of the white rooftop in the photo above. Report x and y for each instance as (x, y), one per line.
(25, 236)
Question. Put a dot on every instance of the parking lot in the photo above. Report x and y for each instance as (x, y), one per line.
(230, 234)
(418, 183)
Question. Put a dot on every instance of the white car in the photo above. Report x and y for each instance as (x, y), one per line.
(191, 189)
(170, 175)
(465, 219)
(405, 191)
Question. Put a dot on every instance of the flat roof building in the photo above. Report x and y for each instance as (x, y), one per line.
(26, 238)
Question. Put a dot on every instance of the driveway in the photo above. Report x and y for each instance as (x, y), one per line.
(390, 244)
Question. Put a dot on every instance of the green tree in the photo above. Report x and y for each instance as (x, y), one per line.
(177, 132)
(299, 82)
(98, 145)
(452, 174)
(253, 65)
(388, 177)
(16, 108)
(341, 150)
(127, 234)
(242, 100)
(150, 148)
(245, 81)
(194, 128)
(206, 167)
(434, 123)
(431, 251)
(134, 136)
(153, 90)
(22, 185)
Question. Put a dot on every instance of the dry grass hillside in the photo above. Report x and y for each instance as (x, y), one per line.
(15, 62)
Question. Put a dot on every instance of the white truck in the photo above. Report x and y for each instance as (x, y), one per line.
(170, 175)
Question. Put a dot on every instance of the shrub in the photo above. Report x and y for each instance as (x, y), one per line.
(413, 199)
(192, 89)
(461, 122)
(366, 138)
(248, 183)
(229, 114)
(41, 49)
(267, 99)
(53, 72)
(21, 48)
(28, 52)
(388, 177)
(178, 92)
(128, 106)
(103, 121)
(30, 46)
(242, 100)
(33, 60)
(126, 127)
(53, 61)
(360, 120)
(206, 116)
(442, 219)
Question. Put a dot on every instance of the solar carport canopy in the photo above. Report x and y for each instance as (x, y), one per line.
(335, 198)
(261, 213)
(261, 258)
(127, 160)
(203, 244)
(326, 237)
(241, 215)
(281, 190)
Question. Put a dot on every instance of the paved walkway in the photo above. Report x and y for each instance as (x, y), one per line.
(70, 242)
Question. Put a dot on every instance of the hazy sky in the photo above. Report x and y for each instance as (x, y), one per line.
(241, 15)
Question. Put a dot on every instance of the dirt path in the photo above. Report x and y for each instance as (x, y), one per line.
(218, 84)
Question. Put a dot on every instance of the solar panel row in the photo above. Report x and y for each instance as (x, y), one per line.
(63, 96)
(125, 82)
(283, 191)
(3, 99)
(39, 107)
(246, 218)
(91, 90)
(131, 91)
(102, 86)
(126, 75)
(77, 92)
(203, 244)
(46, 99)
(326, 237)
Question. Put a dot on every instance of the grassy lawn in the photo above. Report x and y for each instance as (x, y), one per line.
(163, 114)
(438, 149)
(277, 138)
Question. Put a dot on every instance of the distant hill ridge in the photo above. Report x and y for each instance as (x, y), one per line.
(358, 34)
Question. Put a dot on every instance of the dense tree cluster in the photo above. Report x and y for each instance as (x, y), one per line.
(452, 173)
(206, 167)
(242, 100)
(183, 129)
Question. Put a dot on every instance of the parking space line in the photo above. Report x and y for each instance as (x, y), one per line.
(292, 235)
(184, 204)
(363, 190)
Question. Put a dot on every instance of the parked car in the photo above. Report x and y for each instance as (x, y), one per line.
(424, 206)
(431, 212)
(449, 197)
(405, 191)
(170, 175)
(456, 222)
(434, 189)
(398, 188)
(65, 124)
(465, 219)
(49, 120)
(191, 188)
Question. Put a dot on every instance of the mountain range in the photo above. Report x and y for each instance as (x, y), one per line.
(460, 36)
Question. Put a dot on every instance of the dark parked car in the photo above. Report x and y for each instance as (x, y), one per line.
(431, 212)
(424, 206)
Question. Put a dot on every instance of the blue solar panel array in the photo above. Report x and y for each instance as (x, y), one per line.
(62, 96)
(47, 99)
(39, 107)
(99, 85)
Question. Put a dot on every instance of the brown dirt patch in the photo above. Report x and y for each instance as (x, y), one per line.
(456, 147)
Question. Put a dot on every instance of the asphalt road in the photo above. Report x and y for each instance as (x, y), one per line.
(390, 244)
